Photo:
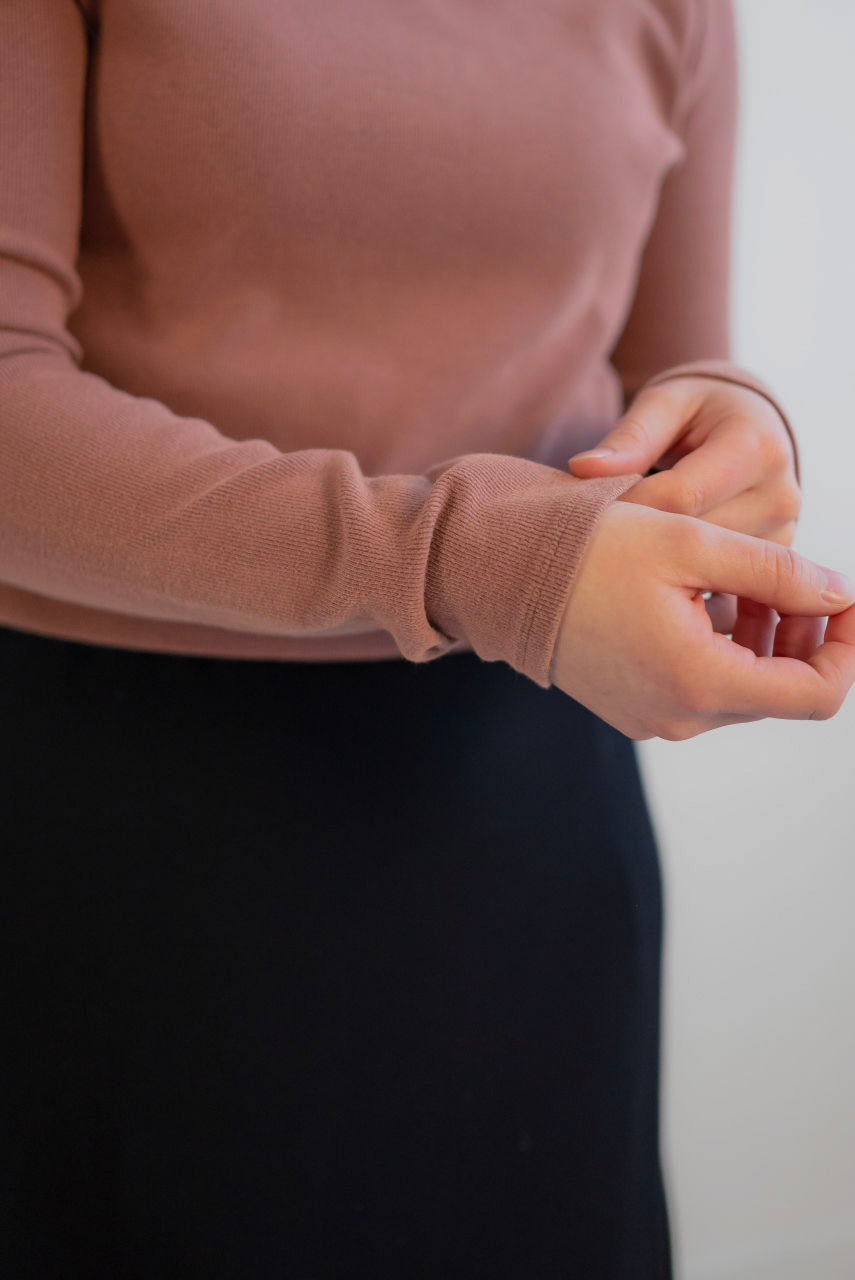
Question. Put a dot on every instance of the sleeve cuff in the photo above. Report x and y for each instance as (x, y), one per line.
(549, 602)
(506, 552)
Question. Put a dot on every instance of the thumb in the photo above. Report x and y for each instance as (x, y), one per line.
(643, 434)
(769, 573)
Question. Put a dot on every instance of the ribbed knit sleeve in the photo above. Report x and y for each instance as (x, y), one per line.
(112, 500)
(679, 322)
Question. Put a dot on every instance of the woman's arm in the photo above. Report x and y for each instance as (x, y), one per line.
(679, 322)
(111, 500)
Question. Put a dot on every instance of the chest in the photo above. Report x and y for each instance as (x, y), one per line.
(447, 132)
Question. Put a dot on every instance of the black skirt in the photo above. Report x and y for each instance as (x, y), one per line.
(318, 970)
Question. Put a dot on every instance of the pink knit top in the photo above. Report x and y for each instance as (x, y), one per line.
(304, 306)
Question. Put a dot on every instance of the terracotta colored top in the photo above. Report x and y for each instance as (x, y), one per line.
(303, 308)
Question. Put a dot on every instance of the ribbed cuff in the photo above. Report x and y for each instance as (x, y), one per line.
(550, 600)
(505, 550)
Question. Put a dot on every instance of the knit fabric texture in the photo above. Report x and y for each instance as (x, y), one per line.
(303, 308)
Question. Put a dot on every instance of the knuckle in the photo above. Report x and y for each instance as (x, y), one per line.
(773, 446)
(687, 499)
(786, 455)
(665, 729)
(774, 441)
(633, 432)
(751, 439)
(639, 735)
(786, 504)
(792, 502)
(788, 565)
(676, 730)
(785, 566)
(784, 534)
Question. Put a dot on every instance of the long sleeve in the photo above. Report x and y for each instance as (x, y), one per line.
(679, 322)
(113, 501)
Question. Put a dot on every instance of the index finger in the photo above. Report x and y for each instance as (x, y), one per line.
(722, 467)
(788, 688)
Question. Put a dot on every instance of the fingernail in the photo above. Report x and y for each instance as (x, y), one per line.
(839, 590)
(602, 452)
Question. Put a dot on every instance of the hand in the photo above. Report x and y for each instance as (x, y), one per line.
(637, 647)
(729, 460)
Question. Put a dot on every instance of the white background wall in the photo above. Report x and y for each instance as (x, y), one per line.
(756, 822)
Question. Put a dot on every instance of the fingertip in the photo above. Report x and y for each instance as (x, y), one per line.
(841, 626)
(838, 590)
(601, 451)
(588, 468)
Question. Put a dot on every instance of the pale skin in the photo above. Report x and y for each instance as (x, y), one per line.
(638, 644)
